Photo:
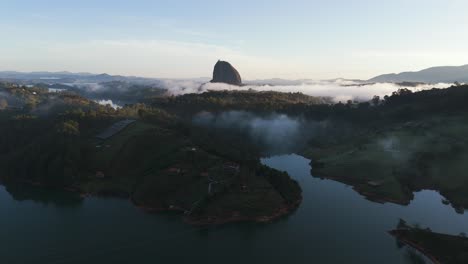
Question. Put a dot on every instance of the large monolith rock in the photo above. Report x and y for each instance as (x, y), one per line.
(224, 72)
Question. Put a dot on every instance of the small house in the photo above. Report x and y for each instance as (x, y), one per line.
(231, 167)
(100, 175)
(374, 183)
(174, 170)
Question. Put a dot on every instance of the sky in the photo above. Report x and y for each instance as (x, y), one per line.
(291, 39)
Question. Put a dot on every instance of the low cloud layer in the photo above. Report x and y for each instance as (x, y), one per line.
(11, 101)
(274, 133)
(109, 103)
(340, 90)
(181, 86)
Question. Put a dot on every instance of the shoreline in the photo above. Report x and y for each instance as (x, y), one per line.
(396, 233)
(282, 211)
(356, 185)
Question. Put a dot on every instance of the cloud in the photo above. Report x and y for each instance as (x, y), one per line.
(274, 133)
(12, 101)
(339, 90)
(179, 87)
(109, 103)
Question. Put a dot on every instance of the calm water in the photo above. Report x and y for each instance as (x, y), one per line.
(333, 225)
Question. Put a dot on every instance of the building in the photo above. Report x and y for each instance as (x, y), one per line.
(115, 128)
(100, 175)
(231, 167)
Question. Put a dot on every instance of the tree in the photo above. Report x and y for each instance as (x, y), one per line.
(69, 127)
(376, 100)
(402, 224)
(3, 104)
(402, 92)
(364, 105)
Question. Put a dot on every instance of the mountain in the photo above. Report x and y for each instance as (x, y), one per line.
(66, 77)
(446, 74)
(224, 72)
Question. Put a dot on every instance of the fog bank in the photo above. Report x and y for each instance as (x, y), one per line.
(338, 90)
(274, 133)
(109, 103)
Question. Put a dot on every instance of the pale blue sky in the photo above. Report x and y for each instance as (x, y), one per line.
(264, 39)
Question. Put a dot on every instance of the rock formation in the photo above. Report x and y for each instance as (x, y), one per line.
(224, 72)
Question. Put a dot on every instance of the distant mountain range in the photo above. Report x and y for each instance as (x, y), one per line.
(444, 74)
(63, 77)
(67, 77)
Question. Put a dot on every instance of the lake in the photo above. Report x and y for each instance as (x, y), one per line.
(334, 224)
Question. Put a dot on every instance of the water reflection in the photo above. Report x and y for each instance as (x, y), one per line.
(414, 257)
(334, 224)
(44, 196)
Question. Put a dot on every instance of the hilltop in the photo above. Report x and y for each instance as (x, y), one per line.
(444, 74)
(224, 72)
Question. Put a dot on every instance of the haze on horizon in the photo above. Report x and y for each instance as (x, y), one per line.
(275, 39)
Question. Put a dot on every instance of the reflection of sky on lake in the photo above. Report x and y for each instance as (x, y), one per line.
(334, 224)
